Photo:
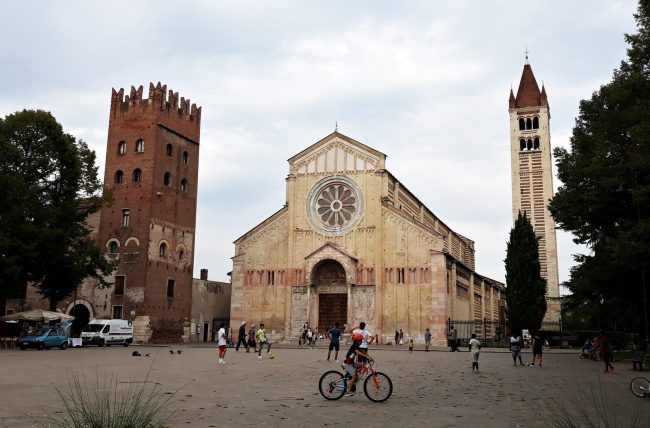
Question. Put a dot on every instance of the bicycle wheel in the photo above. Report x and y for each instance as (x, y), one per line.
(640, 386)
(378, 387)
(332, 385)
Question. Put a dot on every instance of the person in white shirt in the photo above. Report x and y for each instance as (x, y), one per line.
(474, 348)
(223, 345)
(367, 340)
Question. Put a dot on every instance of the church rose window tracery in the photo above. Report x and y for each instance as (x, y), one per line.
(334, 204)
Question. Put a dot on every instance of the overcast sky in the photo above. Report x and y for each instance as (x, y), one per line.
(424, 82)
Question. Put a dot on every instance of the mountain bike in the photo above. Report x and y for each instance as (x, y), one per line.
(640, 387)
(377, 385)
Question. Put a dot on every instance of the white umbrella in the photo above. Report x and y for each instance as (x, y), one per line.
(37, 315)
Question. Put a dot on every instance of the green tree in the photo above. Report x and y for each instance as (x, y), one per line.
(48, 188)
(605, 196)
(525, 287)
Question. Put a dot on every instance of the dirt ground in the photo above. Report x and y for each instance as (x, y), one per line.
(430, 388)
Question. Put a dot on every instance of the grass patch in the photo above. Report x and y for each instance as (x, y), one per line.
(107, 403)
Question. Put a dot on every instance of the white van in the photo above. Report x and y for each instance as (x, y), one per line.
(107, 332)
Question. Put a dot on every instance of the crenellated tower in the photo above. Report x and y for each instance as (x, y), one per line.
(152, 162)
(532, 175)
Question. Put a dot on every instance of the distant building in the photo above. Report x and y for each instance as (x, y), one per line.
(532, 176)
(353, 244)
(210, 307)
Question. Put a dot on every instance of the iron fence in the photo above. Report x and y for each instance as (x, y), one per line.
(491, 332)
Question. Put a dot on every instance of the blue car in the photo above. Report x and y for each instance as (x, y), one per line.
(45, 338)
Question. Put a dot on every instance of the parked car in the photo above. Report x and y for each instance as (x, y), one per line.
(45, 338)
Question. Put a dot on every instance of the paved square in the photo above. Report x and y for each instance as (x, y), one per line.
(430, 389)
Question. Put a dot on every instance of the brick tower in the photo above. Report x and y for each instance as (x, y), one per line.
(532, 176)
(152, 162)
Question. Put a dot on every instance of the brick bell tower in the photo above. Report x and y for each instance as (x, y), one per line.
(152, 163)
(532, 176)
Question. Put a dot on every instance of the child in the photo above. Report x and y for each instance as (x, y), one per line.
(261, 337)
(474, 348)
(349, 365)
(411, 344)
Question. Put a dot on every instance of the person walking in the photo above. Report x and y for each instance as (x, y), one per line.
(367, 340)
(605, 351)
(396, 337)
(452, 337)
(427, 339)
(538, 344)
(261, 337)
(251, 339)
(474, 348)
(335, 337)
(401, 337)
(223, 345)
(241, 339)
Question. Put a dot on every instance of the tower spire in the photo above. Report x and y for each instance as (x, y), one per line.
(527, 63)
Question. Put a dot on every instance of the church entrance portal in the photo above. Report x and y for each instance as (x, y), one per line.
(330, 281)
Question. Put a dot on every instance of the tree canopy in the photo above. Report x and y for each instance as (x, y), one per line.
(48, 188)
(525, 287)
(605, 196)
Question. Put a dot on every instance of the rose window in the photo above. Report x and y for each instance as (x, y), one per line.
(335, 204)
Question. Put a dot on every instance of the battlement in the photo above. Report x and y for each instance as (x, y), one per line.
(159, 99)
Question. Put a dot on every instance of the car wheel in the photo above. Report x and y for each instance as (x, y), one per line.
(101, 343)
(64, 345)
(126, 343)
(40, 346)
(23, 347)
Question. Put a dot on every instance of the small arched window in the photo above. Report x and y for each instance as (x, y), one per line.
(522, 124)
(522, 144)
(119, 176)
(529, 144)
(186, 157)
(184, 185)
(162, 250)
(181, 254)
(121, 147)
(536, 122)
(170, 150)
(139, 146)
(529, 123)
(167, 180)
(536, 143)
(137, 175)
(113, 247)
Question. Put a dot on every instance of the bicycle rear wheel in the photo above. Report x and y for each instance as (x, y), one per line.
(640, 386)
(332, 385)
(378, 387)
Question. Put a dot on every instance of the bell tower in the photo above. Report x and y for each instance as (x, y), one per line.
(152, 164)
(532, 175)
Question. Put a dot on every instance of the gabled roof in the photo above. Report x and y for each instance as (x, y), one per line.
(332, 136)
(329, 244)
(528, 94)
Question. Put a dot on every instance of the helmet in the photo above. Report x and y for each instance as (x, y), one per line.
(357, 336)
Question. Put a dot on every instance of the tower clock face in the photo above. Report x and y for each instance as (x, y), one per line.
(334, 205)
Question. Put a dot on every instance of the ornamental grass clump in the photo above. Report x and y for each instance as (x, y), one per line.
(107, 403)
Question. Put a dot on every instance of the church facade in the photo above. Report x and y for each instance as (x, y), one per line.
(353, 244)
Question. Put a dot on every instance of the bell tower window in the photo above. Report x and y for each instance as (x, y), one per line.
(119, 177)
(529, 123)
(137, 175)
(139, 146)
(536, 122)
(522, 124)
(121, 147)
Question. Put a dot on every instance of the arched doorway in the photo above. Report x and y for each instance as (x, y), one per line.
(81, 316)
(331, 288)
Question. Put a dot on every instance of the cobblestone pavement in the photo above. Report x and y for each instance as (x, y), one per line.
(430, 388)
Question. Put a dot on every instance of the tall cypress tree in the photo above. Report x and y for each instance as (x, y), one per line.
(525, 287)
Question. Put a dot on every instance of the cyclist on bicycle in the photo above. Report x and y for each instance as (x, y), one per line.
(350, 366)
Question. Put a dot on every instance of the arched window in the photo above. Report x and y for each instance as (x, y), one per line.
(522, 124)
(184, 185)
(113, 247)
(170, 150)
(529, 144)
(536, 144)
(186, 157)
(162, 250)
(139, 146)
(522, 144)
(529, 123)
(121, 147)
(137, 175)
(167, 181)
(536, 122)
(119, 176)
(181, 254)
